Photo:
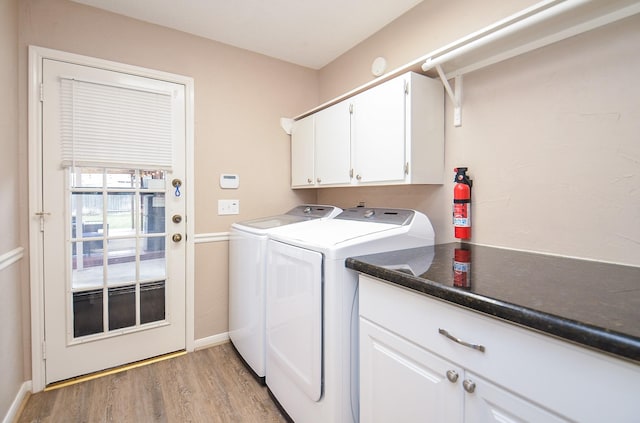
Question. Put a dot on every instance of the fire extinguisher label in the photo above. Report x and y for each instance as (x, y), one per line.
(462, 267)
(461, 215)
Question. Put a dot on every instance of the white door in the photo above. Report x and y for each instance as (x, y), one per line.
(302, 152)
(333, 144)
(379, 133)
(488, 403)
(402, 382)
(294, 322)
(114, 278)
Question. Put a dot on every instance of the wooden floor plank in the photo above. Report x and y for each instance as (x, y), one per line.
(210, 385)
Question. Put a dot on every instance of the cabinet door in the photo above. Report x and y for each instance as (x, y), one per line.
(333, 144)
(488, 403)
(401, 382)
(302, 152)
(379, 133)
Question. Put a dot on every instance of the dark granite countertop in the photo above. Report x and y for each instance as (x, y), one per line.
(590, 303)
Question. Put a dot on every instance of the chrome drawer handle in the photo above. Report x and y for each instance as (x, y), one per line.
(460, 341)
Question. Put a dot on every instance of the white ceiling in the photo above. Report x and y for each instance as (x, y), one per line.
(310, 33)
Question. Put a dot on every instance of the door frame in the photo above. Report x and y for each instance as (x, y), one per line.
(36, 57)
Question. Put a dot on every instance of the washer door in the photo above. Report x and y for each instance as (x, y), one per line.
(294, 321)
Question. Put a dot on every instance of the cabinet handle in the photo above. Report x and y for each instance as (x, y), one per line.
(452, 375)
(460, 341)
(309, 180)
(319, 180)
(469, 386)
(358, 177)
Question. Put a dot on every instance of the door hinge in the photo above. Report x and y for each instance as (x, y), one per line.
(44, 350)
(41, 92)
(406, 87)
(351, 108)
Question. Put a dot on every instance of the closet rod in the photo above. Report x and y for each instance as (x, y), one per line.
(501, 29)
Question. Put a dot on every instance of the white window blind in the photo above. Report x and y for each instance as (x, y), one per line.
(115, 126)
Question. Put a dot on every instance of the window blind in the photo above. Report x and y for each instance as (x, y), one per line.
(106, 125)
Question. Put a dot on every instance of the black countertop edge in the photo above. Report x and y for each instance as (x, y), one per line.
(601, 339)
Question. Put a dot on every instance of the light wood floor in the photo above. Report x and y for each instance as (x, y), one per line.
(210, 385)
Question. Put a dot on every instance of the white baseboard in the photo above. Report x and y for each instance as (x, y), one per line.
(12, 414)
(211, 341)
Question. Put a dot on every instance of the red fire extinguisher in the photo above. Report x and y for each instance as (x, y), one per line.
(462, 204)
(462, 267)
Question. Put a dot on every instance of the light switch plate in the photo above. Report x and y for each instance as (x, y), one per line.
(228, 207)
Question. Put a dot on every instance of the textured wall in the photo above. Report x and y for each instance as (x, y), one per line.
(550, 137)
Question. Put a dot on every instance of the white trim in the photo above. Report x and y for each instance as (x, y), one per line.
(12, 413)
(212, 341)
(11, 257)
(36, 56)
(211, 237)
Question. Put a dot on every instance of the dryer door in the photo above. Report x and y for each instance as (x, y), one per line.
(294, 321)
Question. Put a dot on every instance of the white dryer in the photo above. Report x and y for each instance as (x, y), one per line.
(312, 307)
(247, 249)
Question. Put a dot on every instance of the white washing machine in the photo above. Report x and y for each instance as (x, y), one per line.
(312, 307)
(247, 249)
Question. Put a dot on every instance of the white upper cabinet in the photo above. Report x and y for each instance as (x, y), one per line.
(398, 132)
(390, 134)
(302, 146)
(378, 133)
(332, 140)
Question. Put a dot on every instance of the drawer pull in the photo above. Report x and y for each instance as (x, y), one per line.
(452, 375)
(460, 341)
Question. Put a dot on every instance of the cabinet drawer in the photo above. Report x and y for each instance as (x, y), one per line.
(573, 381)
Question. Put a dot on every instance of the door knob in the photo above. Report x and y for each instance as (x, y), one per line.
(176, 237)
(469, 386)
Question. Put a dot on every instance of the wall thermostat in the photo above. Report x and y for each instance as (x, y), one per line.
(229, 181)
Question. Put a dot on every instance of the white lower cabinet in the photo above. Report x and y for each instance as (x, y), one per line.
(411, 372)
(401, 382)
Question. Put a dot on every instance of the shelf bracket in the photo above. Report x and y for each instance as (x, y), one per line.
(286, 124)
(455, 96)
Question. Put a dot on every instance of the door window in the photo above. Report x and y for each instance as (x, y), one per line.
(116, 249)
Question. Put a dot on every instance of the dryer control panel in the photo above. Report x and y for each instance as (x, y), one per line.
(378, 215)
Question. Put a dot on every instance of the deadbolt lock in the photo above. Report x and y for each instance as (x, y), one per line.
(176, 218)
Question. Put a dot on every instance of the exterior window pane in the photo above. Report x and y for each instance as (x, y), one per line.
(152, 302)
(87, 313)
(122, 307)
